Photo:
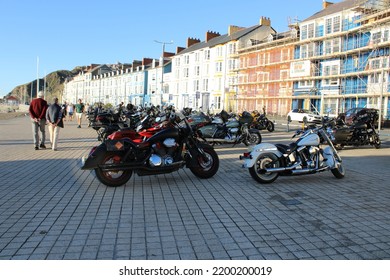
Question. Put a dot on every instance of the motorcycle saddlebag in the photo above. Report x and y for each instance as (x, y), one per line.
(208, 130)
(115, 145)
(342, 134)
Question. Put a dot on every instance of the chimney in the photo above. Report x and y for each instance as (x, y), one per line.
(168, 54)
(210, 35)
(265, 21)
(179, 49)
(192, 41)
(146, 61)
(233, 29)
(326, 4)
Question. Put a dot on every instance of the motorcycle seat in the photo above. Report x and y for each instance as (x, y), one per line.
(286, 149)
(360, 126)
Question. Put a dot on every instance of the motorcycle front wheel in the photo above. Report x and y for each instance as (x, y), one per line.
(113, 178)
(262, 162)
(376, 142)
(253, 138)
(339, 171)
(206, 168)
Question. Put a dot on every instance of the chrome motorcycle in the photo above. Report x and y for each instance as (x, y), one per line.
(305, 156)
(229, 131)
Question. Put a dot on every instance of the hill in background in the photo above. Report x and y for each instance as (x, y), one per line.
(53, 88)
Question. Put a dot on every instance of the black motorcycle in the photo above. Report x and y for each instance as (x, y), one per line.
(169, 149)
(107, 122)
(360, 133)
(233, 131)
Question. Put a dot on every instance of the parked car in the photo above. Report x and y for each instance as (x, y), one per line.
(350, 115)
(303, 115)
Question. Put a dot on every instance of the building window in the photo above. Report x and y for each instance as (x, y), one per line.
(376, 37)
(207, 54)
(205, 85)
(232, 48)
(196, 85)
(333, 25)
(177, 61)
(285, 53)
(304, 51)
(218, 66)
(197, 70)
(232, 64)
(330, 70)
(186, 72)
(310, 30)
(217, 102)
(333, 46)
(386, 36)
(303, 32)
(219, 51)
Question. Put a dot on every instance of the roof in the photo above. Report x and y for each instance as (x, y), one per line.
(335, 8)
(223, 39)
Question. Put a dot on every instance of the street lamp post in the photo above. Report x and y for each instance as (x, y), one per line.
(162, 68)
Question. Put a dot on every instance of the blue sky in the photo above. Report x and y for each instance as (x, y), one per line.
(66, 34)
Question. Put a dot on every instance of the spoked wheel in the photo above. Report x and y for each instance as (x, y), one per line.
(270, 126)
(264, 161)
(253, 138)
(113, 178)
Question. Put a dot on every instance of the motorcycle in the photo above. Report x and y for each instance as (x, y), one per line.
(165, 150)
(261, 122)
(229, 131)
(304, 156)
(361, 132)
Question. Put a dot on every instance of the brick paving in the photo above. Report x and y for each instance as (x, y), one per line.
(50, 209)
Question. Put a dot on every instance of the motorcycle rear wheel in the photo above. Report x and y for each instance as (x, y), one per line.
(270, 126)
(262, 162)
(206, 169)
(113, 178)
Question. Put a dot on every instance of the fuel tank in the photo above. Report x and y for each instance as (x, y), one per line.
(163, 134)
(309, 140)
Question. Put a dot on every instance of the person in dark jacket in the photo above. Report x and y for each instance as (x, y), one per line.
(54, 122)
(37, 111)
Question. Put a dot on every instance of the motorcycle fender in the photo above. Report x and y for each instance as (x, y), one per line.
(96, 155)
(329, 157)
(253, 130)
(258, 150)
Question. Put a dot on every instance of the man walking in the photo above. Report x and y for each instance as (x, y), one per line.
(37, 111)
(54, 122)
(79, 112)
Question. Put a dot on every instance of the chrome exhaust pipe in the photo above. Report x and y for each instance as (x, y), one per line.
(281, 169)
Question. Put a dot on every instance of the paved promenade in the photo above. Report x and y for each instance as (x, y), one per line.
(50, 209)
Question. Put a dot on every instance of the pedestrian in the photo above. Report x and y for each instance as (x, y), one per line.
(37, 111)
(54, 122)
(69, 110)
(79, 107)
(86, 111)
(63, 107)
